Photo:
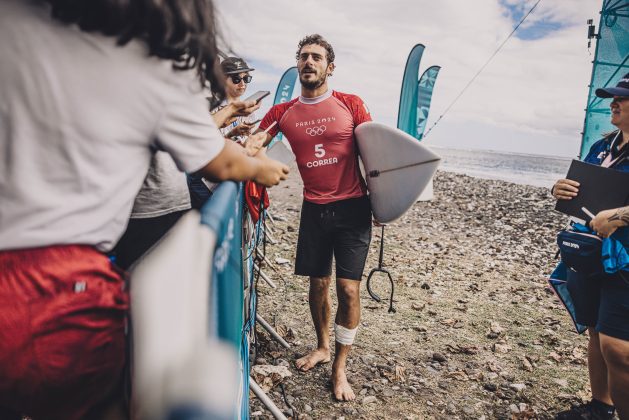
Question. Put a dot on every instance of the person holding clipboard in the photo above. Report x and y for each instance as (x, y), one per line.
(602, 302)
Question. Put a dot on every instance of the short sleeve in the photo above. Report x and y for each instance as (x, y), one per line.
(358, 109)
(274, 115)
(186, 129)
(360, 112)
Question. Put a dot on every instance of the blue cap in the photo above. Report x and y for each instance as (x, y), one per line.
(621, 89)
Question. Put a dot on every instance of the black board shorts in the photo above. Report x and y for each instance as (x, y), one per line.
(341, 229)
(602, 302)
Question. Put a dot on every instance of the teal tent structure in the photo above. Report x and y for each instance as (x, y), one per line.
(611, 62)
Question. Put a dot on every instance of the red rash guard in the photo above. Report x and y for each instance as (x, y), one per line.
(321, 133)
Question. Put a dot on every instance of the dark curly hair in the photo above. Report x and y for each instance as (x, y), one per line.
(316, 39)
(183, 31)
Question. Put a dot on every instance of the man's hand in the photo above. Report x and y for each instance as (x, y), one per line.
(607, 221)
(254, 143)
(565, 189)
(271, 172)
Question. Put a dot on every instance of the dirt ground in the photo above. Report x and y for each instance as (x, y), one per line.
(477, 333)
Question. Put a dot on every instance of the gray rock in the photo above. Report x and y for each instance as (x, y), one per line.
(282, 362)
(517, 387)
(439, 357)
(490, 386)
(369, 399)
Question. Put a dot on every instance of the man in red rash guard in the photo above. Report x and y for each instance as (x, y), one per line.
(336, 215)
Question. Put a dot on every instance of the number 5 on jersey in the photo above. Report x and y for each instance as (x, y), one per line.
(319, 150)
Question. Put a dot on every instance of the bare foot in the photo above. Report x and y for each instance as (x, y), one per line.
(341, 388)
(312, 359)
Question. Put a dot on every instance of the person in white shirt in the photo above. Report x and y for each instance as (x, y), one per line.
(89, 92)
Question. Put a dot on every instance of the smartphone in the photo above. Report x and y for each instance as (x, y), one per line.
(258, 96)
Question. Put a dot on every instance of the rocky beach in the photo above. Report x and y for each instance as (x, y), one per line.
(477, 333)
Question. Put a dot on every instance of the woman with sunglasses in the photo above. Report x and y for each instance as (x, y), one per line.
(602, 302)
(237, 78)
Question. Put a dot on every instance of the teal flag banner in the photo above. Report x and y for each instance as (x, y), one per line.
(424, 95)
(284, 93)
(407, 113)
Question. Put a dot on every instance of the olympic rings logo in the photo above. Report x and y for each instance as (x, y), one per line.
(316, 131)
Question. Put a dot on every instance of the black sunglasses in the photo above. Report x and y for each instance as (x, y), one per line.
(236, 79)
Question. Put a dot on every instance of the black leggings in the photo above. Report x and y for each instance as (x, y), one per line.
(141, 235)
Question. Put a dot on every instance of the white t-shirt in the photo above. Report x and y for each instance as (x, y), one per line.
(79, 117)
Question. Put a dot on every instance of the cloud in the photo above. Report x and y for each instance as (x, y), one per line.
(533, 85)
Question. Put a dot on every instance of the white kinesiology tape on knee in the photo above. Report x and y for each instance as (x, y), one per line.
(344, 335)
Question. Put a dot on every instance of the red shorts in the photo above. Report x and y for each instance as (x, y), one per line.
(62, 331)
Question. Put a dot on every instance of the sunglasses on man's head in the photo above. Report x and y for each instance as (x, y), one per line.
(236, 79)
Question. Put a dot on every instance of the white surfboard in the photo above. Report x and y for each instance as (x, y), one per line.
(397, 168)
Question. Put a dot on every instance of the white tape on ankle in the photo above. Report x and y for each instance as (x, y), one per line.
(344, 335)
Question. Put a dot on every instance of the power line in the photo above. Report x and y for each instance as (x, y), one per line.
(483, 67)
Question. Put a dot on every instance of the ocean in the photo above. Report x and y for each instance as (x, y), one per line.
(540, 171)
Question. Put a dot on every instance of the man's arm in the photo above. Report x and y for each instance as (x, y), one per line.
(233, 163)
(607, 221)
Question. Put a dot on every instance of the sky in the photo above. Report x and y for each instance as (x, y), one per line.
(529, 99)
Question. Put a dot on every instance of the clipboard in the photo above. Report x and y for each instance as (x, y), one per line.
(601, 189)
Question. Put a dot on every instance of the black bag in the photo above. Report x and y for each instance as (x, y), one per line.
(580, 251)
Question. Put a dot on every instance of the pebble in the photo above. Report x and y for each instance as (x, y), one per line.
(517, 387)
(490, 386)
(451, 408)
(369, 399)
(439, 357)
(469, 411)
(388, 392)
(307, 408)
(561, 382)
